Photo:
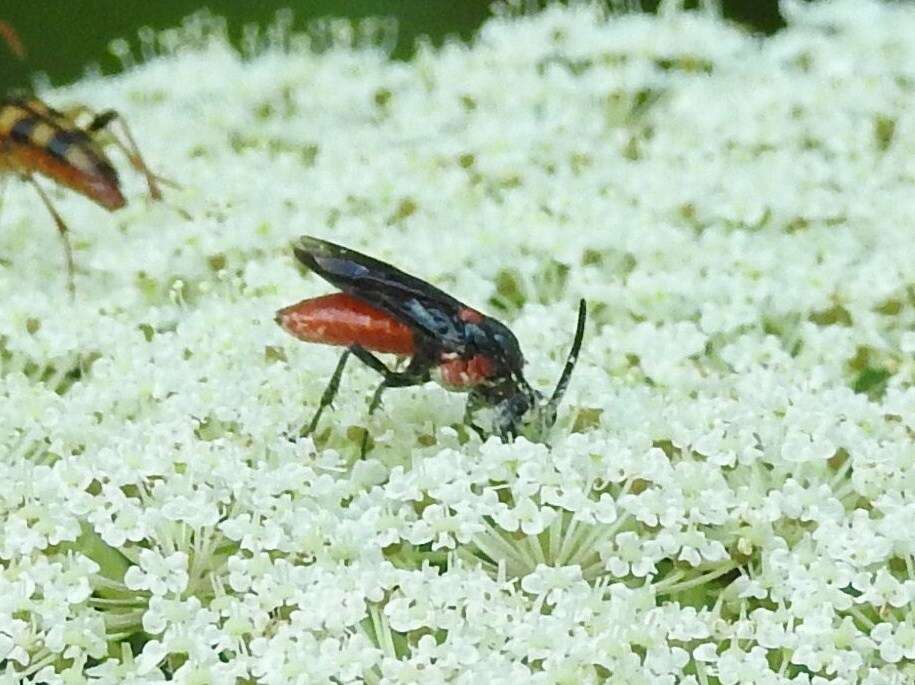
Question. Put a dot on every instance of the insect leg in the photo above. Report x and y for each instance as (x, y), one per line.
(330, 392)
(61, 229)
(415, 374)
(8, 33)
(99, 121)
(474, 402)
(392, 379)
(131, 150)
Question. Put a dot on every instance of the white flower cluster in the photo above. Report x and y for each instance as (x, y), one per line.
(729, 494)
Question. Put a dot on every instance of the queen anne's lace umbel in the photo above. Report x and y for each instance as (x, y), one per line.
(729, 494)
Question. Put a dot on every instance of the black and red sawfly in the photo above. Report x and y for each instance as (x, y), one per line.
(381, 309)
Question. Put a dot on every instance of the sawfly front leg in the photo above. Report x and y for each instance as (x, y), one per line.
(61, 229)
(391, 379)
(474, 402)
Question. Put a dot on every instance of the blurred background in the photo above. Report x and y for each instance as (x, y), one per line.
(61, 37)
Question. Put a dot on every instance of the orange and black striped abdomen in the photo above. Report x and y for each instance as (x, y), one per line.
(35, 139)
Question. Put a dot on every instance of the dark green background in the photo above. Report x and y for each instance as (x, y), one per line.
(62, 36)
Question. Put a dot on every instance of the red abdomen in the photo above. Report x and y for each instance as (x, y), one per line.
(341, 319)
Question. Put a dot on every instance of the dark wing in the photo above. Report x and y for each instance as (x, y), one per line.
(411, 300)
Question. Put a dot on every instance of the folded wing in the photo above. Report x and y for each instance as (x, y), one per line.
(420, 305)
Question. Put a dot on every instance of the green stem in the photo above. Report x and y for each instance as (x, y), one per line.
(114, 603)
(568, 542)
(533, 543)
(125, 621)
(38, 662)
(593, 571)
(698, 580)
(859, 615)
(496, 547)
(671, 579)
(555, 536)
(382, 632)
(700, 673)
(112, 564)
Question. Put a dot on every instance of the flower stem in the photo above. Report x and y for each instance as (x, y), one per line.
(697, 580)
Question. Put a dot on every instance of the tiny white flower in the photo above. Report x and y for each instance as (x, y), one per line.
(159, 574)
(527, 516)
(551, 582)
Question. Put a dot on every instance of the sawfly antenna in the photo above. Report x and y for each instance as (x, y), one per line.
(566, 376)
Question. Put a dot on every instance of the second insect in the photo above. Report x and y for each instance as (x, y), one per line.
(383, 309)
